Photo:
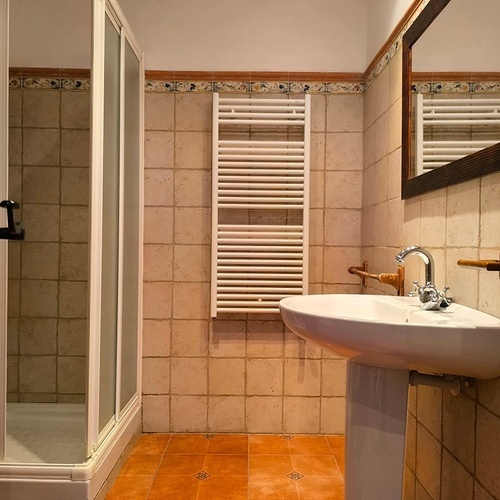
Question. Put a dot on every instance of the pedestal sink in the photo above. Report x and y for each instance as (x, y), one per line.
(383, 338)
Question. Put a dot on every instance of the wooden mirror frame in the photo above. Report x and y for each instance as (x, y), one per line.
(470, 167)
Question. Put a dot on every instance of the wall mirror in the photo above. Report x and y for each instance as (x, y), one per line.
(451, 95)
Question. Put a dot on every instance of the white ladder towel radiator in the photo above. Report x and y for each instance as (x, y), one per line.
(442, 125)
(260, 203)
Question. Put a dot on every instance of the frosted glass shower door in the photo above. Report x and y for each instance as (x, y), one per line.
(116, 234)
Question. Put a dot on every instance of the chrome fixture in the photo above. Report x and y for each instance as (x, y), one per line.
(431, 298)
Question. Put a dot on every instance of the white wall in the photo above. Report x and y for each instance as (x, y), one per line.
(464, 37)
(50, 33)
(383, 16)
(251, 35)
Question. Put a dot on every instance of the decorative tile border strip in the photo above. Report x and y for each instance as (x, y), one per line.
(455, 87)
(49, 83)
(262, 87)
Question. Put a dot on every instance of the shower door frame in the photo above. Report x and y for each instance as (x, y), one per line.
(95, 436)
(4, 189)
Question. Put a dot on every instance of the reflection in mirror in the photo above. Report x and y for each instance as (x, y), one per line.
(451, 95)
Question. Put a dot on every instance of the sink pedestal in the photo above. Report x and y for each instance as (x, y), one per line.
(375, 432)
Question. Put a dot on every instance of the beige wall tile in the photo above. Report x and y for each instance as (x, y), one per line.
(156, 411)
(38, 336)
(333, 377)
(75, 149)
(411, 442)
(42, 222)
(462, 228)
(75, 186)
(344, 113)
(74, 224)
(73, 299)
(337, 262)
(318, 113)
(72, 337)
(75, 109)
(74, 261)
(15, 182)
(156, 337)
(189, 376)
(190, 338)
(429, 462)
(159, 149)
(191, 301)
(41, 185)
(39, 298)
(302, 377)
(264, 414)
(264, 377)
(158, 187)
(40, 260)
(192, 263)
(41, 108)
(429, 409)
(226, 414)
(264, 339)
(344, 151)
(157, 300)
(159, 111)
(226, 376)
(487, 445)
(490, 211)
(193, 150)
(71, 374)
(37, 374)
(408, 484)
(158, 224)
(317, 153)
(396, 77)
(14, 298)
(15, 107)
(192, 226)
(193, 112)
(332, 416)
(343, 190)
(343, 227)
(457, 482)
(156, 375)
(480, 493)
(227, 338)
(158, 262)
(301, 415)
(189, 413)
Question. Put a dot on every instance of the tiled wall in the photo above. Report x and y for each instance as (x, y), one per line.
(239, 372)
(452, 442)
(48, 175)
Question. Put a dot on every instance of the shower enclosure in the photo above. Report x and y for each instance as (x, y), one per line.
(71, 290)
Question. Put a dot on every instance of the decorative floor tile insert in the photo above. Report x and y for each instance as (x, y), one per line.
(223, 466)
(202, 475)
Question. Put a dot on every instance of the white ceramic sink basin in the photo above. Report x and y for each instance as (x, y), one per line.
(393, 332)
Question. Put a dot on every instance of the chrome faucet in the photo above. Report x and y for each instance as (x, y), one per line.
(431, 298)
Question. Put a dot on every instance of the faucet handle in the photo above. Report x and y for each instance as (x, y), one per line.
(416, 290)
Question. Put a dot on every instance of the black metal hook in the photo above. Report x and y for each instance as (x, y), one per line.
(14, 231)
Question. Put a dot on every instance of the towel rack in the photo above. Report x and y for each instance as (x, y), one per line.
(260, 201)
(452, 117)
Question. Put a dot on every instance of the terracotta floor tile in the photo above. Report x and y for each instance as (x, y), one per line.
(315, 465)
(270, 465)
(268, 445)
(187, 443)
(272, 488)
(228, 465)
(231, 444)
(337, 444)
(130, 488)
(141, 465)
(224, 488)
(309, 445)
(151, 444)
(181, 465)
(321, 488)
(174, 488)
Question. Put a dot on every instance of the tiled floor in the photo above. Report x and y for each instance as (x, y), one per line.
(232, 467)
